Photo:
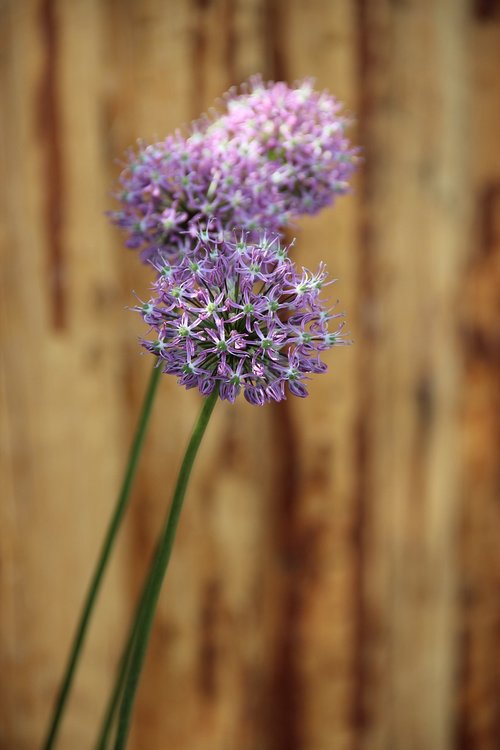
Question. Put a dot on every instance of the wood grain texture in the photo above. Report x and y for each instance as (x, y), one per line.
(335, 582)
(479, 706)
(417, 207)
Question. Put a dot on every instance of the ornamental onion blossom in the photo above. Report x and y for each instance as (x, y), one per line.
(239, 316)
(296, 136)
(174, 189)
(275, 153)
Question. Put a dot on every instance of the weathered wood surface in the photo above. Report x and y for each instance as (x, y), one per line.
(336, 580)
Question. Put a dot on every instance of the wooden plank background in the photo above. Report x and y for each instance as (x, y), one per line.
(336, 580)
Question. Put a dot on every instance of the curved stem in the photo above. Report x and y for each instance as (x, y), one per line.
(102, 562)
(157, 574)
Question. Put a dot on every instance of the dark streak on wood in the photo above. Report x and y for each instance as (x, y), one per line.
(424, 406)
(481, 344)
(481, 338)
(275, 41)
(229, 454)
(285, 707)
(49, 127)
(230, 42)
(489, 210)
(208, 639)
(424, 398)
(359, 714)
(254, 701)
(478, 710)
(463, 737)
(486, 10)
(199, 55)
(286, 701)
(424, 401)
(363, 441)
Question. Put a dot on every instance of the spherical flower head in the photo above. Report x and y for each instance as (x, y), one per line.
(238, 316)
(172, 190)
(275, 153)
(297, 137)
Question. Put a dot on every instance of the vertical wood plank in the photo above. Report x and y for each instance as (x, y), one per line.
(59, 370)
(317, 656)
(416, 204)
(479, 706)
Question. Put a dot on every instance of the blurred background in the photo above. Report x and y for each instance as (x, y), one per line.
(336, 577)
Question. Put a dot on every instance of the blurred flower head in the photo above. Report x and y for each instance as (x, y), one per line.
(275, 153)
(296, 137)
(239, 316)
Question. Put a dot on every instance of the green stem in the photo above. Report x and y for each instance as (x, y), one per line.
(109, 716)
(102, 562)
(157, 574)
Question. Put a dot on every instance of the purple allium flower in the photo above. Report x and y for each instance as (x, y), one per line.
(277, 152)
(238, 315)
(174, 189)
(296, 138)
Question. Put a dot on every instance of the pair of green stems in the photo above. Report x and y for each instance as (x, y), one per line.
(132, 660)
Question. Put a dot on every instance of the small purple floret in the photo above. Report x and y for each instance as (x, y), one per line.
(239, 316)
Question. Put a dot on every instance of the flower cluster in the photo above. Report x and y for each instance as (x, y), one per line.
(296, 138)
(239, 316)
(275, 153)
(174, 189)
